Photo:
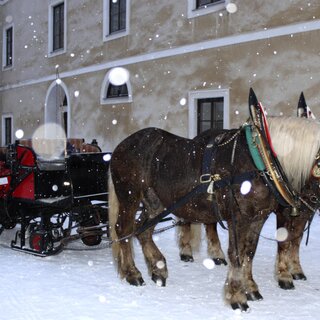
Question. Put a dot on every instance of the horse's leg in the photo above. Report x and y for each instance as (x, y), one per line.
(296, 234)
(126, 265)
(240, 286)
(252, 238)
(288, 267)
(184, 241)
(156, 262)
(121, 221)
(214, 247)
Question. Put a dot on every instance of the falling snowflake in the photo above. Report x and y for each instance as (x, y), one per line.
(281, 234)
(160, 264)
(183, 101)
(245, 187)
(107, 157)
(231, 7)
(19, 134)
(118, 76)
(102, 299)
(208, 263)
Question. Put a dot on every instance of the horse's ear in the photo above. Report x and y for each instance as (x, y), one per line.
(302, 106)
(253, 101)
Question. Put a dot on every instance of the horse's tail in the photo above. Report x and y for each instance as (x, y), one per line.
(195, 238)
(113, 212)
(189, 238)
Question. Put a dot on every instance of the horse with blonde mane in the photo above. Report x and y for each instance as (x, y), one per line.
(288, 266)
(158, 169)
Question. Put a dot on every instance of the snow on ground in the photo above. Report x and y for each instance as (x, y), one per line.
(83, 285)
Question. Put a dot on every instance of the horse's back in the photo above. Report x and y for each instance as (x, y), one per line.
(157, 158)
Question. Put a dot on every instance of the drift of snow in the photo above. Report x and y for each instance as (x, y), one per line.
(83, 285)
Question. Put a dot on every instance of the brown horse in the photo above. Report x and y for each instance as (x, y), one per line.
(157, 168)
(288, 267)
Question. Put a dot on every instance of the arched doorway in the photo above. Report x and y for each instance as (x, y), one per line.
(57, 106)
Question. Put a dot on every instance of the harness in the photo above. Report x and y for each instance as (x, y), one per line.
(208, 183)
(266, 162)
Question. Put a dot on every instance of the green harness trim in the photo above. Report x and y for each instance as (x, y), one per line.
(255, 154)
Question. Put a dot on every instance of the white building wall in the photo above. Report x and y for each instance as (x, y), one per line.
(271, 46)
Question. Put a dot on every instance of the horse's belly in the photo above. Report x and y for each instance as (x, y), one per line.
(197, 213)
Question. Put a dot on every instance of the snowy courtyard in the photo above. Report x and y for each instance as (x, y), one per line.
(83, 284)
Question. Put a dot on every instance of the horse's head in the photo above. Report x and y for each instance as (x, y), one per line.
(303, 111)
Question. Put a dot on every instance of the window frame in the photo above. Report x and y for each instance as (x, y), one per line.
(4, 127)
(6, 66)
(107, 36)
(194, 96)
(52, 5)
(194, 11)
(104, 91)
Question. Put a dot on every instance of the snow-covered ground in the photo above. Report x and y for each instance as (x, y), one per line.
(83, 285)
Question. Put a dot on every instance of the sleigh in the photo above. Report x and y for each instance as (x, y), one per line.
(49, 200)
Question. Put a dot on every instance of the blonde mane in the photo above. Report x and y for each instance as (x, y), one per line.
(296, 142)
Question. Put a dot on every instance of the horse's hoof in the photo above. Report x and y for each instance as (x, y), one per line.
(286, 285)
(136, 282)
(299, 276)
(186, 258)
(219, 261)
(243, 307)
(160, 281)
(254, 296)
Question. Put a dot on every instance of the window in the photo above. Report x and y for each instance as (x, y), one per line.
(7, 129)
(210, 114)
(8, 47)
(201, 7)
(57, 27)
(64, 115)
(117, 91)
(202, 3)
(208, 109)
(115, 18)
(113, 94)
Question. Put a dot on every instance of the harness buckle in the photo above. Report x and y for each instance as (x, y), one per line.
(211, 179)
(205, 178)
